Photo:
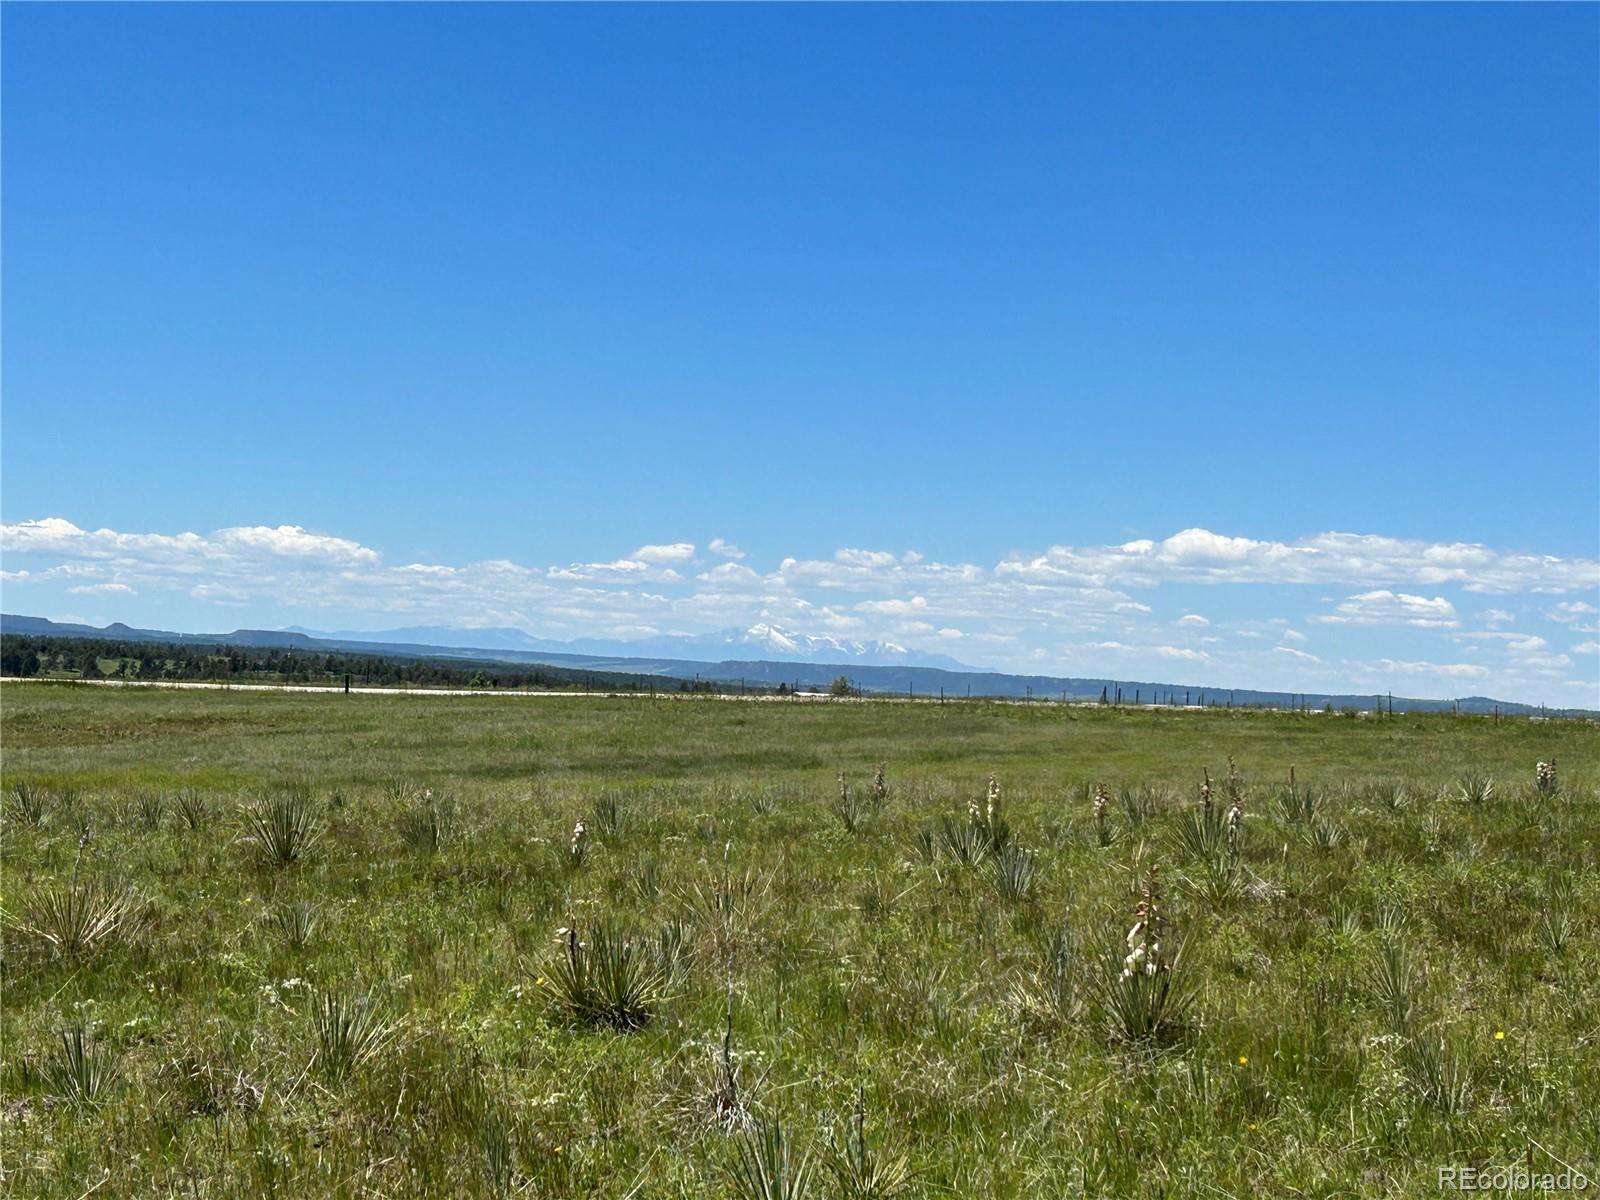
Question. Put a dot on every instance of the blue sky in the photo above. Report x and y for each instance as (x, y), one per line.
(480, 315)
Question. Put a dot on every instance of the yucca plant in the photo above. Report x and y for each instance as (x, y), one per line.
(729, 907)
(1439, 1073)
(610, 815)
(604, 980)
(295, 923)
(1394, 981)
(1143, 1008)
(990, 823)
(1474, 787)
(148, 810)
(963, 841)
(767, 1167)
(1556, 924)
(880, 788)
(81, 1070)
(1298, 805)
(499, 1154)
(859, 1171)
(27, 804)
(1140, 804)
(1220, 884)
(402, 792)
(78, 919)
(1143, 996)
(1013, 871)
(848, 808)
(1202, 832)
(1051, 994)
(1392, 922)
(348, 1032)
(427, 823)
(1323, 835)
(646, 880)
(282, 826)
(194, 810)
(1392, 796)
(671, 949)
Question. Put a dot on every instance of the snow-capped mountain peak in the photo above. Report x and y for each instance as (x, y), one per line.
(761, 641)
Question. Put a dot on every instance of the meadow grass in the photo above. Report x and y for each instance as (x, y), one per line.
(740, 980)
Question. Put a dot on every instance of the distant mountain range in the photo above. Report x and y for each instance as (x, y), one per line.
(766, 642)
(899, 678)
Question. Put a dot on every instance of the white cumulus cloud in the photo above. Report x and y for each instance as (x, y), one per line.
(1383, 607)
(675, 552)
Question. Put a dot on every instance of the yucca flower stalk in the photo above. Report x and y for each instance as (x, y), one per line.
(1544, 778)
(1102, 823)
(1235, 825)
(1203, 831)
(578, 846)
(880, 788)
(1234, 785)
(989, 823)
(1144, 939)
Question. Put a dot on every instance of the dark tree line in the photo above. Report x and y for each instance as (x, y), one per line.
(26, 656)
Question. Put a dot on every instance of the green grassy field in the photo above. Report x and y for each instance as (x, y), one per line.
(1387, 969)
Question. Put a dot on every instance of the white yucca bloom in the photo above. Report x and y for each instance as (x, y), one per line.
(1545, 777)
(992, 808)
(1144, 939)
